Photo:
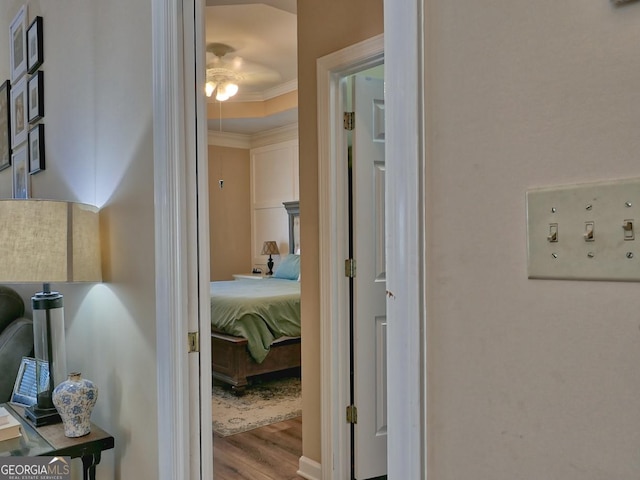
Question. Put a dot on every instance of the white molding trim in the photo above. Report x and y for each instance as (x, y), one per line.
(406, 249)
(282, 89)
(225, 139)
(333, 234)
(275, 135)
(171, 262)
(268, 94)
(261, 139)
(309, 469)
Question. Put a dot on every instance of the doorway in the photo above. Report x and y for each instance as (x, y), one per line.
(253, 170)
(175, 268)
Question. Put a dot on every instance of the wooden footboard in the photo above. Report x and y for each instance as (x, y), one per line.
(231, 362)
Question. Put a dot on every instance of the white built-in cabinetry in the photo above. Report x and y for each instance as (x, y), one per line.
(274, 180)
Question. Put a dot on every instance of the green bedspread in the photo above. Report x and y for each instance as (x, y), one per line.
(258, 310)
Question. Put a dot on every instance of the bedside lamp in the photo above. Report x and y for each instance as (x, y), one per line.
(270, 248)
(47, 241)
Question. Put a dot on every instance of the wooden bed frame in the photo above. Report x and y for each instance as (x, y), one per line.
(233, 365)
(231, 362)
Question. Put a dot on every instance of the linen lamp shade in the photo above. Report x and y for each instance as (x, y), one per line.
(46, 241)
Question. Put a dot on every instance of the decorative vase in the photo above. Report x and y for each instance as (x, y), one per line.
(74, 399)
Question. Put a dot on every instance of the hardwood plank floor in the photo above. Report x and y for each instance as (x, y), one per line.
(268, 453)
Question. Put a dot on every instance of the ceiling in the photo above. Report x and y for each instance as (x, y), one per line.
(263, 37)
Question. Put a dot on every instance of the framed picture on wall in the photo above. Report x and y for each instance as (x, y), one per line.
(19, 122)
(5, 125)
(35, 94)
(35, 55)
(36, 149)
(18, 44)
(21, 176)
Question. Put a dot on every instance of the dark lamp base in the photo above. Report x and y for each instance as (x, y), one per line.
(40, 416)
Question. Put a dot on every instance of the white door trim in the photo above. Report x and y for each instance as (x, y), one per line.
(333, 233)
(407, 207)
(181, 283)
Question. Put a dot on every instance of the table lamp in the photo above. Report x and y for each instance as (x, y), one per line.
(270, 248)
(48, 241)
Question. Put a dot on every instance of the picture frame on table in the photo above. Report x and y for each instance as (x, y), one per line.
(18, 44)
(36, 149)
(5, 125)
(35, 89)
(35, 47)
(20, 161)
(19, 105)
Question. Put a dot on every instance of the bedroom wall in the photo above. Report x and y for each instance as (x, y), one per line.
(528, 378)
(99, 146)
(324, 26)
(229, 211)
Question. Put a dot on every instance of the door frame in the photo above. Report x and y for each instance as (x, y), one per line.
(180, 419)
(333, 248)
(181, 241)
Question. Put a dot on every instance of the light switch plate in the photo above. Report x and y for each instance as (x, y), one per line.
(603, 209)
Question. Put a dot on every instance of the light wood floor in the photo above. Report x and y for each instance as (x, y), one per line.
(268, 453)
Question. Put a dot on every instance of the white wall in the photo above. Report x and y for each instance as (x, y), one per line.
(529, 379)
(274, 180)
(98, 117)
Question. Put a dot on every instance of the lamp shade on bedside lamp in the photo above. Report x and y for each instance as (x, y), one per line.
(48, 241)
(270, 247)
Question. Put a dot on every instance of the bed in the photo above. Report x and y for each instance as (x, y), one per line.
(256, 323)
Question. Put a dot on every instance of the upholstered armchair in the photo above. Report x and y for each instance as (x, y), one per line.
(16, 339)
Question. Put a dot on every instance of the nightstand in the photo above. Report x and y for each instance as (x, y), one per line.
(249, 276)
(50, 440)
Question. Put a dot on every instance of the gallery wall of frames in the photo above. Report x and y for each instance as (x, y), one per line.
(22, 141)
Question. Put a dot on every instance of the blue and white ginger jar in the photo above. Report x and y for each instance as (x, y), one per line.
(74, 399)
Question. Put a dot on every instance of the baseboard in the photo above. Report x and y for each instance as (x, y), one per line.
(309, 469)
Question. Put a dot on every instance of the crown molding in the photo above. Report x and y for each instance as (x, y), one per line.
(275, 135)
(232, 140)
(268, 94)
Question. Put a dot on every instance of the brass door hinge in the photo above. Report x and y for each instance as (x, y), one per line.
(349, 120)
(352, 414)
(194, 341)
(350, 268)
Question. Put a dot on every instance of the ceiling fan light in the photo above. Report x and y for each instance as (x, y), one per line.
(209, 88)
(221, 95)
(231, 89)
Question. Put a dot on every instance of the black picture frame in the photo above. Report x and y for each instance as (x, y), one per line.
(36, 149)
(35, 95)
(25, 388)
(19, 112)
(35, 47)
(5, 125)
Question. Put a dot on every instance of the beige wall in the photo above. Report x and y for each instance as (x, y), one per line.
(324, 26)
(529, 379)
(99, 147)
(229, 212)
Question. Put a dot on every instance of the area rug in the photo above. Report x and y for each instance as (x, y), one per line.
(262, 404)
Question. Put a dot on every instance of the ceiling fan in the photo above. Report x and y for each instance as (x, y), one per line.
(225, 74)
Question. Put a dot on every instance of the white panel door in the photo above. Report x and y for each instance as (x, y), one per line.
(370, 394)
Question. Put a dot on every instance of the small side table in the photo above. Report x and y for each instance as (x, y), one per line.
(50, 440)
(249, 276)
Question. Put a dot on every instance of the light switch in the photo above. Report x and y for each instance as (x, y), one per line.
(588, 232)
(583, 252)
(627, 228)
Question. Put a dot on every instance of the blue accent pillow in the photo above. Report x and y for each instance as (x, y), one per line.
(289, 268)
